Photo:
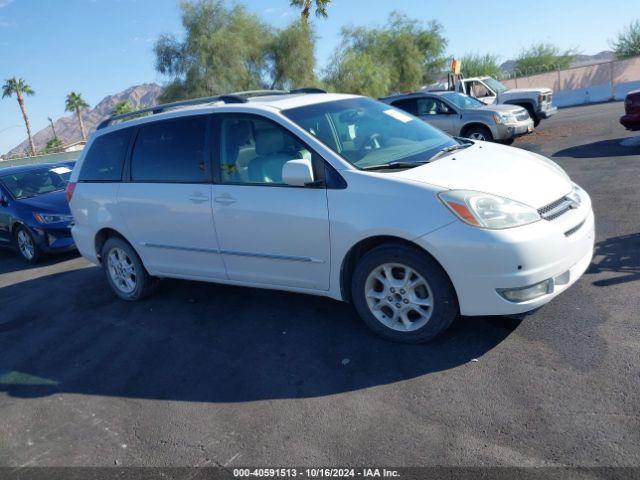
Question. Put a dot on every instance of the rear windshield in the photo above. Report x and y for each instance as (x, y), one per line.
(37, 182)
(105, 157)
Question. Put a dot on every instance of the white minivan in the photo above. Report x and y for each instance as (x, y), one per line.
(334, 195)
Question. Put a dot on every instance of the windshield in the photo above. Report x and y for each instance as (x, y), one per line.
(367, 133)
(463, 101)
(495, 85)
(37, 182)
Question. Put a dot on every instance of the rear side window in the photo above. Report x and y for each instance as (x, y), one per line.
(171, 151)
(408, 105)
(105, 158)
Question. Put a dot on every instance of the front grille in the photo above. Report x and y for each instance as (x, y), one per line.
(556, 209)
(59, 232)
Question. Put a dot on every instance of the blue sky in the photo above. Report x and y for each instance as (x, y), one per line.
(100, 47)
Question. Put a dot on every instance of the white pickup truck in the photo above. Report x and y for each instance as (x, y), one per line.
(537, 101)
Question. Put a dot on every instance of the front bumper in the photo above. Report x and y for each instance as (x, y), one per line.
(631, 121)
(51, 240)
(481, 262)
(506, 131)
(547, 111)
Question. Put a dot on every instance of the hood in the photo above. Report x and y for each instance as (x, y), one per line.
(54, 202)
(501, 107)
(543, 91)
(504, 171)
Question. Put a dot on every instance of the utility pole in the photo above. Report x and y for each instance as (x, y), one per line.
(53, 128)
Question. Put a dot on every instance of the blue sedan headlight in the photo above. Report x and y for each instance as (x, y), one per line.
(47, 218)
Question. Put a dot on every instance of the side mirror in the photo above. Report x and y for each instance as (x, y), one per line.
(3, 201)
(297, 173)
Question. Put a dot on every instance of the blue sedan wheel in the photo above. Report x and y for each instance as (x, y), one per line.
(26, 245)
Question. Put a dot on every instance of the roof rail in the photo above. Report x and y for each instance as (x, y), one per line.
(308, 90)
(236, 97)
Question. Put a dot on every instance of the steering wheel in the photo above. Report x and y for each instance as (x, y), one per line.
(373, 141)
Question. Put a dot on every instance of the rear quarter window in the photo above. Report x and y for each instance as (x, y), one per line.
(105, 157)
(171, 151)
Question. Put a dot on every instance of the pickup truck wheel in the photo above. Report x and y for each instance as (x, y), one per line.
(478, 132)
(532, 114)
(403, 294)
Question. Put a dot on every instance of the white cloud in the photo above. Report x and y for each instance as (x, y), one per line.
(4, 3)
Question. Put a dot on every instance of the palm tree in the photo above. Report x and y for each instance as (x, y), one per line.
(20, 88)
(121, 108)
(75, 103)
(305, 5)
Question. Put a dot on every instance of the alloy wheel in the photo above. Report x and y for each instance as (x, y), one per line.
(25, 244)
(399, 297)
(121, 270)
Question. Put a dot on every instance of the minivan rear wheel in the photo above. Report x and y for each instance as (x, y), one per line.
(403, 294)
(125, 272)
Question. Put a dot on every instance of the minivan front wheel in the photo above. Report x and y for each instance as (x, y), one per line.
(403, 294)
(124, 271)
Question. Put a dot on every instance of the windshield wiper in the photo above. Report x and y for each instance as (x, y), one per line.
(450, 149)
(394, 165)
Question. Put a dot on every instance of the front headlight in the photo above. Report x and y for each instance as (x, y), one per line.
(46, 218)
(488, 211)
(500, 118)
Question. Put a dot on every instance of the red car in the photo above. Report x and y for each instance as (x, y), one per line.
(631, 119)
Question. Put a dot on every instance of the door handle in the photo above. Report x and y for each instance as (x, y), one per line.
(198, 197)
(225, 199)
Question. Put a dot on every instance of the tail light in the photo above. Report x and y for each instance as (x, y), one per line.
(71, 186)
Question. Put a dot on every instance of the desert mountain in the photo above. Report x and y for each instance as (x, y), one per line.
(67, 128)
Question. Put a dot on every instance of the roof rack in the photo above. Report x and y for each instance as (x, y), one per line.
(236, 97)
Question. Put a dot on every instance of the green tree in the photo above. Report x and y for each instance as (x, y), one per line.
(402, 55)
(224, 49)
(476, 65)
(305, 6)
(54, 144)
(121, 108)
(294, 57)
(75, 103)
(543, 57)
(627, 44)
(359, 73)
(20, 88)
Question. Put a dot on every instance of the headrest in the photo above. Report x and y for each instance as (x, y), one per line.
(269, 140)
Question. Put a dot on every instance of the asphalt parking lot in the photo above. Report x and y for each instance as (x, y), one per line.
(206, 375)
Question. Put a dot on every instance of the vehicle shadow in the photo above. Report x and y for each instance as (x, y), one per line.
(11, 261)
(66, 333)
(619, 255)
(619, 147)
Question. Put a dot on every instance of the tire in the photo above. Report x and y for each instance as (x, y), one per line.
(532, 114)
(414, 321)
(26, 245)
(478, 132)
(125, 272)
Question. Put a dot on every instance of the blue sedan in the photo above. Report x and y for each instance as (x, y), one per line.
(34, 212)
